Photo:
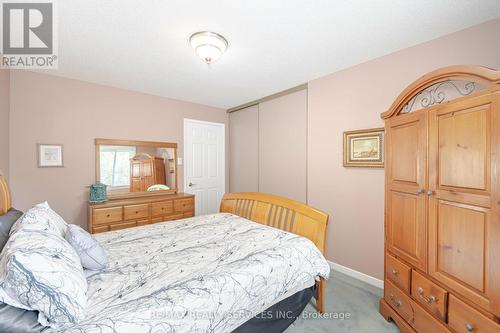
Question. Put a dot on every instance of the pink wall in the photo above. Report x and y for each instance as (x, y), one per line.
(353, 99)
(4, 122)
(49, 109)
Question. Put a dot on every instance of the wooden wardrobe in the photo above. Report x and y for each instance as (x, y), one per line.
(146, 170)
(442, 203)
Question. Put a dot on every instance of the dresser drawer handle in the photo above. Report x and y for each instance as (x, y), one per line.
(108, 215)
(394, 301)
(469, 328)
(431, 299)
(394, 273)
(136, 212)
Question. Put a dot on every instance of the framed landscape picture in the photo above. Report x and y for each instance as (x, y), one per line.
(364, 148)
(50, 156)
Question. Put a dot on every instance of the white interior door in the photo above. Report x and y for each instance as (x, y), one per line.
(204, 164)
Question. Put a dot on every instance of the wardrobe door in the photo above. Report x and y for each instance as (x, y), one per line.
(244, 150)
(282, 146)
(135, 176)
(462, 220)
(406, 179)
(147, 174)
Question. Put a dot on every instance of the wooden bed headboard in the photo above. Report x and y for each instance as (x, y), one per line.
(5, 198)
(279, 212)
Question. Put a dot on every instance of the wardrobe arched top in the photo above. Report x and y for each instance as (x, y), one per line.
(443, 85)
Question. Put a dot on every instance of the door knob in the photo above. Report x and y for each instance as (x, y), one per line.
(191, 184)
(429, 193)
(420, 191)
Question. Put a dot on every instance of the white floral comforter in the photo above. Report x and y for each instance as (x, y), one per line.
(203, 274)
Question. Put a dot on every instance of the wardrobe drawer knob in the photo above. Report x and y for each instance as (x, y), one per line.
(469, 328)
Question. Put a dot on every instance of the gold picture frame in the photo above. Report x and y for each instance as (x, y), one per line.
(364, 148)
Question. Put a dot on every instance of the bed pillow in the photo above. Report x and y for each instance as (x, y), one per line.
(6, 222)
(40, 271)
(91, 253)
(41, 216)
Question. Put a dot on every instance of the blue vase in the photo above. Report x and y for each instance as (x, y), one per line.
(98, 193)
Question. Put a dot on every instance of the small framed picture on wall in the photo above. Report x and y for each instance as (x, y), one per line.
(364, 148)
(50, 155)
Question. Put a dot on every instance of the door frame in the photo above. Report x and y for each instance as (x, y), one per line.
(203, 122)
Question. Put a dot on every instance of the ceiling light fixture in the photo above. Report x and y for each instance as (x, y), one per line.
(209, 46)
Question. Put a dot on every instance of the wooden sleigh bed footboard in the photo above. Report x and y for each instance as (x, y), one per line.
(284, 214)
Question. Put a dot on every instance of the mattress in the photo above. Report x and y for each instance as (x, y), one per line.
(204, 274)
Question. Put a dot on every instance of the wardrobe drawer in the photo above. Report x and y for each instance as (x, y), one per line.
(424, 322)
(162, 208)
(397, 272)
(118, 226)
(107, 215)
(135, 212)
(398, 300)
(184, 205)
(463, 319)
(429, 295)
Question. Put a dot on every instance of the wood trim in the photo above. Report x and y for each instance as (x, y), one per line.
(5, 197)
(469, 72)
(268, 98)
(284, 214)
(149, 144)
(115, 195)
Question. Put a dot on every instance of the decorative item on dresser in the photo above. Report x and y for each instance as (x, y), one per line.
(131, 210)
(442, 204)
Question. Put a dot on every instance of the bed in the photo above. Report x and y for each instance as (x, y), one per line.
(214, 273)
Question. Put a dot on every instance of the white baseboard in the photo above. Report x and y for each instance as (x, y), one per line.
(357, 275)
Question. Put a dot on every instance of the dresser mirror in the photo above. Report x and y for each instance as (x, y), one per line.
(136, 167)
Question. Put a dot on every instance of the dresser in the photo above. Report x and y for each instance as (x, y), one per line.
(442, 203)
(131, 210)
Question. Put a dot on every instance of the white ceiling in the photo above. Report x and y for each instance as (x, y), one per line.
(142, 45)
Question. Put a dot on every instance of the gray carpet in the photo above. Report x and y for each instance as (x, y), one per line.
(345, 295)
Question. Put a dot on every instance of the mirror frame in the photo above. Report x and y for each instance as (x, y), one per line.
(150, 144)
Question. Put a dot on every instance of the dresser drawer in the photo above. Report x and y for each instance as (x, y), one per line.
(118, 226)
(162, 208)
(143, 222)
(424, 322)
(107, 215)
(398, 272)
(173, 217)
(398, 300)
(184, 205)
(135, 212)
(464, 319)
(102, 228)
(429, 295)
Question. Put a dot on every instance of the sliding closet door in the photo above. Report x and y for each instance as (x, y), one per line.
(244, 150)
(282, 146)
